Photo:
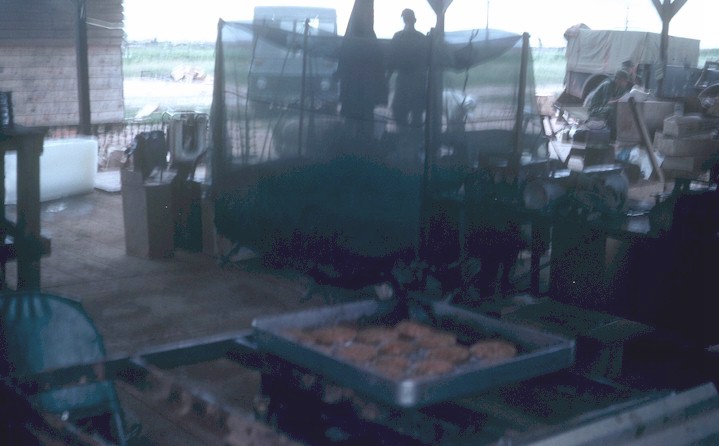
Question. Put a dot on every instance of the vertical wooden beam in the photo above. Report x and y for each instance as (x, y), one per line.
(667, 9)
(29, 148)
(83, 68)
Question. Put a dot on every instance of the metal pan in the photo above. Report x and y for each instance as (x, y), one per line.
(539, 352)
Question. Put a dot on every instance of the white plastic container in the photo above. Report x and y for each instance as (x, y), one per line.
(67, 167)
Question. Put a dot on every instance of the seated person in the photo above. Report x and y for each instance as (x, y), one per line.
(634, 78)
(602, 102)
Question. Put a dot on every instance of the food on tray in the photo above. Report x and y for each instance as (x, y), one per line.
(493, 350)
(357, 352)
(456, 354)
(407, 350)
(397, 347)
(437, 339)
(413, 330)
(376, 335)
(431, 367)
(338, 334)
(393, 367)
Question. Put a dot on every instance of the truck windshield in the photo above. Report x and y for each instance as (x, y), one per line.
(276, 71)
(321, 20)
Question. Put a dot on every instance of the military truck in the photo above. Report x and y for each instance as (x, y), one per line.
(594, 55)
(276, 72)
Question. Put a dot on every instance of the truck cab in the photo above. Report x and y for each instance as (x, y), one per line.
(276, 73)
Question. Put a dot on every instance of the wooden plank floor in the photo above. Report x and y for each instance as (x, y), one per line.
(137, 303)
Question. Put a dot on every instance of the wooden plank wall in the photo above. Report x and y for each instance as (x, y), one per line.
(38, 61)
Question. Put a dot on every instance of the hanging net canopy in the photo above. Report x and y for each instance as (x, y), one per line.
(316, 159)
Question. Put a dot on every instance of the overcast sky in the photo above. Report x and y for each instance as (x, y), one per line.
(544, 20)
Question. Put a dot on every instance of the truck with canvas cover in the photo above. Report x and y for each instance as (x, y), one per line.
(594, 55)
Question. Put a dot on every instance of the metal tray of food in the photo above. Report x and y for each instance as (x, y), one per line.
(293, 338)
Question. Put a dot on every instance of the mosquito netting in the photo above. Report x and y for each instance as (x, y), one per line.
(313, 165)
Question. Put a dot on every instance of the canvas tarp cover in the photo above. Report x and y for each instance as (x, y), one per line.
(338, 188)
(602, 51)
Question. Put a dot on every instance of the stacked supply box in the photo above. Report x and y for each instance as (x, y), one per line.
(686, 142)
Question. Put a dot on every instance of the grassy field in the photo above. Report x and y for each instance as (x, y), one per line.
(157, 60)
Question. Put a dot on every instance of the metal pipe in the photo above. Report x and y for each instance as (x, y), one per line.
(220, 156)
(486, 28)
(432, 124)
(303, 87)
(521, 101)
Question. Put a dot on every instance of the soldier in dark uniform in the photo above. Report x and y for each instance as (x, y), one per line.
(408, 58)
(602, 102)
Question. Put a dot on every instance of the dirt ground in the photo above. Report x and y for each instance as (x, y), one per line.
(168, 95)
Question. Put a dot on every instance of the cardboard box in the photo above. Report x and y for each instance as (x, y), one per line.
(147, 215)
(688, 125)
(700, 145)
(653, 113)
(688, 165)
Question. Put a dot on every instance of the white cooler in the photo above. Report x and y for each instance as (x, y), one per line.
(67, 167)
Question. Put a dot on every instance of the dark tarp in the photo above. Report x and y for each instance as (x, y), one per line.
(463, 49)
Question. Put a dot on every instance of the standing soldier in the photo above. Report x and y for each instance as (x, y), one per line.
(408, 57)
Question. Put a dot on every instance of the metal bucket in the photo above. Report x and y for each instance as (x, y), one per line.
(541, 193)
(187, 136)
